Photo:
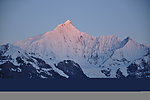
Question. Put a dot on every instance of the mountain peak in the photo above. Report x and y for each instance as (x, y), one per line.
(67, 26)
(131, 40)
(68, 22)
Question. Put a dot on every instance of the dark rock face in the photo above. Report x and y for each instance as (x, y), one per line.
(106, 72)
(4, 48)
(71, 68)
(19, 60)
(9, 70)
(119, 74)
(139, 71)
(41, 63)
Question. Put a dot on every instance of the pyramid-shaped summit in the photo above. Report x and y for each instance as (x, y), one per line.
(66, 26)
(68, 22)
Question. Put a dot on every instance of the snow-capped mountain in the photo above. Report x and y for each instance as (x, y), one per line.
(89, 56)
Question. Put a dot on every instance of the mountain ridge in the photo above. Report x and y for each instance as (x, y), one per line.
(97, 56)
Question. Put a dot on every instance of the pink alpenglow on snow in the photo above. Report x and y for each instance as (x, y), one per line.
(91, 53)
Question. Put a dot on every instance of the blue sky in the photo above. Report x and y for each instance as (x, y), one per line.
(20, 19)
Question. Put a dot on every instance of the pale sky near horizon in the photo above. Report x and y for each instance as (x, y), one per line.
(20, 19)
